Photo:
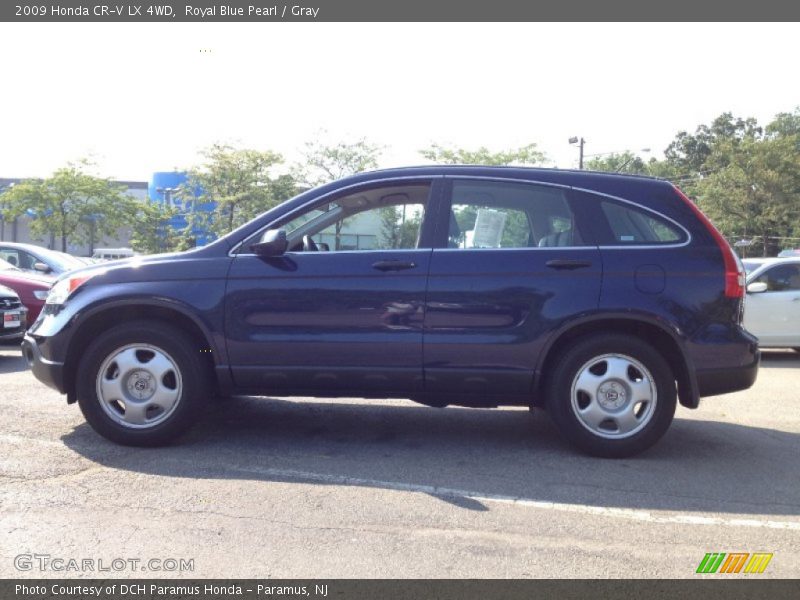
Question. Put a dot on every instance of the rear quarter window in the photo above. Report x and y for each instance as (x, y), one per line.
(630, 225)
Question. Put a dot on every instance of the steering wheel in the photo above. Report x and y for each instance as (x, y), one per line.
(309, 245)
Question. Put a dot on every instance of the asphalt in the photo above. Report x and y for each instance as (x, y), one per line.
(362, 488)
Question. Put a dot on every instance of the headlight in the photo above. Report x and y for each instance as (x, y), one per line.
(63, 288)
(41, 294)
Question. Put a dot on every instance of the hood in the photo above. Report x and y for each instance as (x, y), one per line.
(7, 292)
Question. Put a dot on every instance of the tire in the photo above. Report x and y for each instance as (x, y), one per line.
(142, 383)
(612, 395)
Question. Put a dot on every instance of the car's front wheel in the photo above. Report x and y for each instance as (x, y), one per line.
(141, 383)
(612, 395)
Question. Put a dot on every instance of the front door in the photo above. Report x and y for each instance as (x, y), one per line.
(343, 309)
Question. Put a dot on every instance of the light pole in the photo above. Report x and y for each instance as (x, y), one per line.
(580, 142)
(167, 193)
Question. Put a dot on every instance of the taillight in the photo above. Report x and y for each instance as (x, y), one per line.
(734, 273)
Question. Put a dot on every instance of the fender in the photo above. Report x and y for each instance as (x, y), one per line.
(687, 386)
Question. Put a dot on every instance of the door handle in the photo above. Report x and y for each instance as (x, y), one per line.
(568, 264)
(393, 265)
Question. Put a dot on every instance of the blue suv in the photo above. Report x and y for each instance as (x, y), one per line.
(604, 299)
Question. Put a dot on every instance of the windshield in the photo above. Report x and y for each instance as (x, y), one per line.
(64, 261)
(750, 266)
(7, 266)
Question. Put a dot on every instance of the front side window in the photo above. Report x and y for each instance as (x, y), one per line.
(509, 215)
(783, 278)
(388, 218)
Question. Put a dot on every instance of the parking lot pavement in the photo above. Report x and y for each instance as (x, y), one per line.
(358, 488)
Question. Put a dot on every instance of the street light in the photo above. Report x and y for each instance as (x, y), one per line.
(580, 142)
(167, 193)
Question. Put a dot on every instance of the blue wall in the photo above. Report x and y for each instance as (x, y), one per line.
(174, 179)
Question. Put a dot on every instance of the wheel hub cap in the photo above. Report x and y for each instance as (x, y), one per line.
(141, 385)
(611, 395)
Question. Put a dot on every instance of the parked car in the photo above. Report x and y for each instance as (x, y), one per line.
(13, 315)
(101, 254)
(789, 252)
(35, 259)
(772, 308)
(32, 289)
(603, 298)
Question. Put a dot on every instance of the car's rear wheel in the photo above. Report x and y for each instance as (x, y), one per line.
(142, 383)
(612, 395)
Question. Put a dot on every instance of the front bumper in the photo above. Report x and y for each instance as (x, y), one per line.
(10, 336)
(50, 373)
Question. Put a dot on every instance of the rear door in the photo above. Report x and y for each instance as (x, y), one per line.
(511, 266)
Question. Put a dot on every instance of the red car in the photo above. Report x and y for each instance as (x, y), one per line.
(32, 289)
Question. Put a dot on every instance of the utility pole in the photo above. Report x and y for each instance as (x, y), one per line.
(580, 142)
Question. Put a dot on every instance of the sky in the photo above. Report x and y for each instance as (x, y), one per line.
(145, 97)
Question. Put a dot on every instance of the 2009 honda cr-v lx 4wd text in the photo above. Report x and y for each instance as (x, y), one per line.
(603, 298)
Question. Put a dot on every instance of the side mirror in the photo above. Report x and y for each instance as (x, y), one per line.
(756, 287)
(272, 243)
(41, 267)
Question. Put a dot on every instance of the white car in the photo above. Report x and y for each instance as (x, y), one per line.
(772, 307)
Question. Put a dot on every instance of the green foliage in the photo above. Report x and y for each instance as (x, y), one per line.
(756, 191)
(325, 163)
(70, 203)
(744, 176)
(399, 227)
(240, 182)
(526, 155)
(691, 152)
(151, 231)
(623, 162)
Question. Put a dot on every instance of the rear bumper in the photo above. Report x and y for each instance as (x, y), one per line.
(49, 372)
(712, 382)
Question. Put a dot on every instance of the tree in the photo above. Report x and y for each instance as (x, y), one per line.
(398, 229)
(689, 154)
(525, 155)
(70, 204)
(325, 163)
(756, 190)
(240, 183)
(624, 162)
(151, 230)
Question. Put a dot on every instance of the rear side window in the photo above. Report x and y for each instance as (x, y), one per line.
(634, 226)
